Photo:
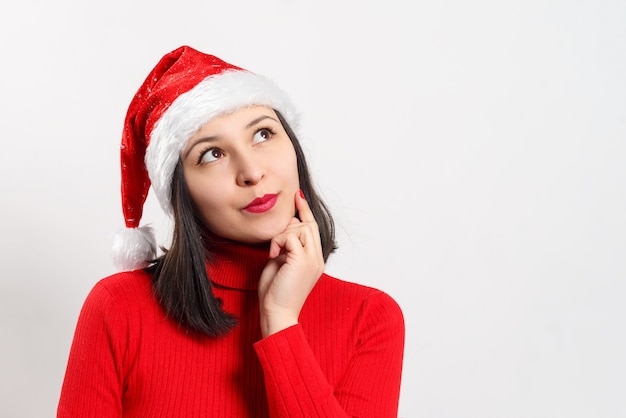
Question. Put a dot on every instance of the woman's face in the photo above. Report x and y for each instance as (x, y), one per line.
(242, 175)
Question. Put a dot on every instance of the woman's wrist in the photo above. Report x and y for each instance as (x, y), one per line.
(273, 323)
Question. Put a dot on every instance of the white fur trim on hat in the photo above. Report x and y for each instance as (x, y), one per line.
(133, 248)
(214, 96)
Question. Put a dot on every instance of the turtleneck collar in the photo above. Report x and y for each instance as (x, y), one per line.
(236, 265)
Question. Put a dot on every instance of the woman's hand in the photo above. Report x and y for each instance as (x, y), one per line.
(296, 263)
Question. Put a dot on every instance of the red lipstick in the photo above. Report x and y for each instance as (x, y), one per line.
(262, 204)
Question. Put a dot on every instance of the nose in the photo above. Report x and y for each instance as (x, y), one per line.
(250, 169)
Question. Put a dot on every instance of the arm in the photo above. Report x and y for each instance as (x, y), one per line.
(370, 386)
(93, 379)
(296, 385)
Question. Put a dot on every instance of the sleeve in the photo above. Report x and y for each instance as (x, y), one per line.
(297, 387)
(93, 381)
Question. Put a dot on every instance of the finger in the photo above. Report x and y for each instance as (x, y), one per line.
(290, 242)
(306, 216)
(275, 248)
(293, 222)
(304, 210)
(293, 244)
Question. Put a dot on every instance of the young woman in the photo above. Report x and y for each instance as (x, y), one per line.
(237, 318)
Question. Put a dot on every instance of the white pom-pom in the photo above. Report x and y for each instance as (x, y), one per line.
(133, 248)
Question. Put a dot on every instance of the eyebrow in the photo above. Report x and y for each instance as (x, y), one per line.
(259, 119)
(214, 137)
(196, 142)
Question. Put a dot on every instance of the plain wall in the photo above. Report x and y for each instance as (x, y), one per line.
(473, 154)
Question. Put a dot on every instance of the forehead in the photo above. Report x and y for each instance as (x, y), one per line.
(223, 126)
(240, 117)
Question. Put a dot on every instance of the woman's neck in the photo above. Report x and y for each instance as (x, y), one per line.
(236, 265)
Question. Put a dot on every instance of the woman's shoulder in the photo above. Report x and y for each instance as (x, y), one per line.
(121, 287)
(125, 281)
(332, 282)
(119, 302)
(356, 294)
(359, 309)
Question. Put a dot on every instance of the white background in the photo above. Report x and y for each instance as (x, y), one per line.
(473, 153)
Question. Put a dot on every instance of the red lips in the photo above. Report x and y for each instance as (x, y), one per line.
(262, 204)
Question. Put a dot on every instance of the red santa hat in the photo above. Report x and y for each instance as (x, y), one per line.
(185, 90)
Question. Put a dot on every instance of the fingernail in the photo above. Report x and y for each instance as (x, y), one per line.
(302, 195)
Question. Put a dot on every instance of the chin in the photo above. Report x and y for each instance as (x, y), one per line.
(266, 233)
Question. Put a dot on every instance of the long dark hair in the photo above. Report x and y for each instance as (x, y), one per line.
(180, 279)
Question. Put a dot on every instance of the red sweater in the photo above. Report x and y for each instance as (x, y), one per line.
(128, 359)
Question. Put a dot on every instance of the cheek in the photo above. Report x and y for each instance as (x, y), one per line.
(289, 165)
(203, 193)
(207, 207)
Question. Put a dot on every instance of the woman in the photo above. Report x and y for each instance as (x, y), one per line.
(237, 318)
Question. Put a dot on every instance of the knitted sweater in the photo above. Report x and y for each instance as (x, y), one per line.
(343, 359)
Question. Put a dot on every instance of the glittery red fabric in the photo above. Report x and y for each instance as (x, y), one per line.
(176, 73)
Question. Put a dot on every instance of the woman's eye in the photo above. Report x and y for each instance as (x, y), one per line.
(262, 135)
(210, 155)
